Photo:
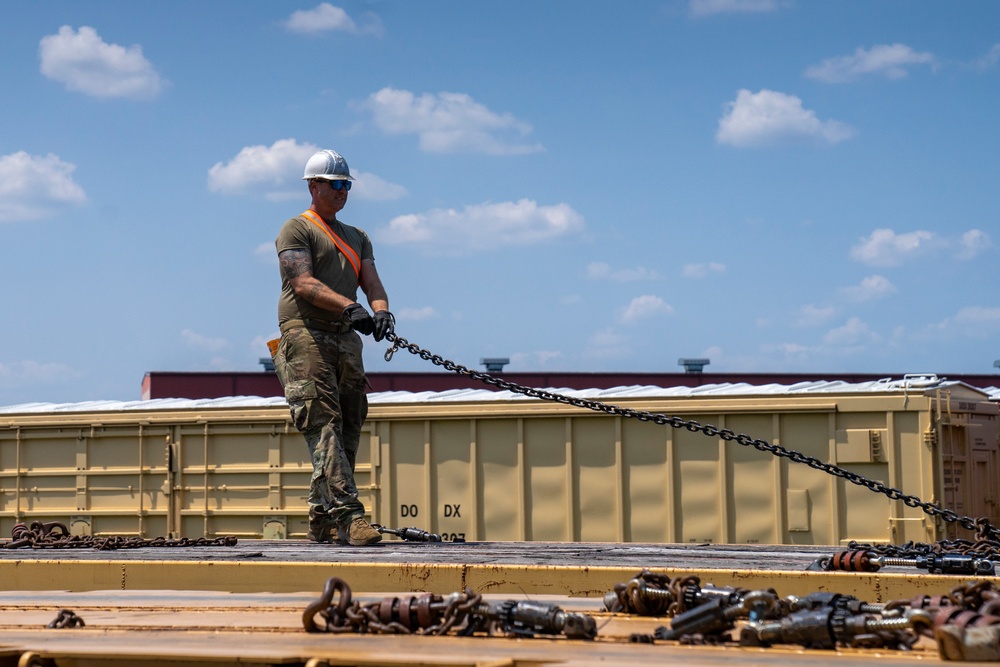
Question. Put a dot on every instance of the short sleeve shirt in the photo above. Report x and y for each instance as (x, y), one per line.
(329, 265)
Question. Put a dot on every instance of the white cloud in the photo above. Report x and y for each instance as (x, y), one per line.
(887, 60)
(276, 167)
(194, 339)
(329, 18)
(757, 119)
(790, 354)
(980, 322)
(22, 374)
(702, 270)
(537, 359)
(416, 314)
(546, 356)
(973, 243)
(813, 316)
(602, 271)
(220, 364)
(887, 248)
(853, 332)
(266, 252)
(645, 306)
(34, 187)
(607, 337)
(870, 289)
(86, 64)
(989, 60)
(483, 226)
(371, 187)
(700, 8)
(275, 172)
(607, 344)
(449, 123)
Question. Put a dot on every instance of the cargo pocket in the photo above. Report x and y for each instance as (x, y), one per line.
(301, 396)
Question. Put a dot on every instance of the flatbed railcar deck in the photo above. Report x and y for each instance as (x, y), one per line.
(244, 604)
(526, 568)
(190, 628)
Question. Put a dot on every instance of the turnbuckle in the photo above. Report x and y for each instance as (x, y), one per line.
(527, 618)
(408, 534)
(861, 560)
(717, 617)
(826, 627)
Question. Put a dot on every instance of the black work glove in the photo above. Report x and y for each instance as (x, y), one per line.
(385, 323)
(359, 319)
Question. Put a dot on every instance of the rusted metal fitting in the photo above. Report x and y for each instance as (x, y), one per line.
(527, 618)
(410, 534)
(646, 594)
(854, 560)
(821, 599)
(66, 619)
(963, 618)
(717, 617)
(826, 627)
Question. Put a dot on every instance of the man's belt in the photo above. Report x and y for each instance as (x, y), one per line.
(312, 323)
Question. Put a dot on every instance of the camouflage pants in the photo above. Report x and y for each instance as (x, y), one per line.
(324, 380)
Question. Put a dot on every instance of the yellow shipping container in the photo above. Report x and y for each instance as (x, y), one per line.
(480, 465)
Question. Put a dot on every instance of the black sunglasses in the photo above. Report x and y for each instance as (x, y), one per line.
(337, 185)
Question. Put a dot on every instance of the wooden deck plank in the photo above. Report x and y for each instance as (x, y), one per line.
(193, 627)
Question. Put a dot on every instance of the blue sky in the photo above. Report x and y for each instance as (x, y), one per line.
(776, 185)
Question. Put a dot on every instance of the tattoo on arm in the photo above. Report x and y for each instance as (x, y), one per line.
(294, 263)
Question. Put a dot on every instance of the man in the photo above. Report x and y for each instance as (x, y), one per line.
(318, 358)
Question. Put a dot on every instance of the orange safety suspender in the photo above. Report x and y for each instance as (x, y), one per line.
(352, 257)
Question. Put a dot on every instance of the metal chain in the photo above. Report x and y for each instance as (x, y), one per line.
(66, 618)
(431, 614)
(427, 614)
(982, 526)
(55, 535)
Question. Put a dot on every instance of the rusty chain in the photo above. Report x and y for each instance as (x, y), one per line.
(427, 614)
(981, 526)
(464, 613)
(55, 535)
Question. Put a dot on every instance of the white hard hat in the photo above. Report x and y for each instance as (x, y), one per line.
(327, 164)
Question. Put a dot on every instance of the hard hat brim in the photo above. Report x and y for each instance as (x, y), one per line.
(327, 177)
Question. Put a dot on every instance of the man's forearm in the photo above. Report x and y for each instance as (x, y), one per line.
(319, 295)
(378, 300)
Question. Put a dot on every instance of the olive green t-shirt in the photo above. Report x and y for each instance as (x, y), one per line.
(329, 265)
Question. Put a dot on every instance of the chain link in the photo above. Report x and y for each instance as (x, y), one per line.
(981, 526)
(55, 535)
(66, 618)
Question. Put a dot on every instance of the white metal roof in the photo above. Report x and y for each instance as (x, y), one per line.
(155, 404)
(912, 384)
(917, 384)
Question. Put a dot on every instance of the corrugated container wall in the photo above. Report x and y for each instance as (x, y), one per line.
(497, 469)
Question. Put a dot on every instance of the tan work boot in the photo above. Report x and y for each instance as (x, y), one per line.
(360, 533)
(320, 526)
